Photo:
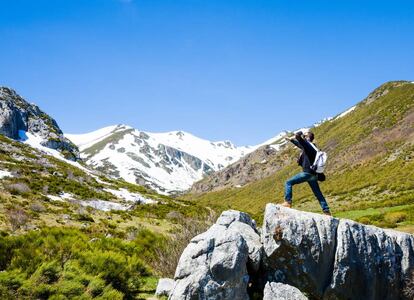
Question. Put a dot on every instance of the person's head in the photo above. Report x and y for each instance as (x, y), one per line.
(309, 136)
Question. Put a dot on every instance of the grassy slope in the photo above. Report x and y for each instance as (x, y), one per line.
(371, 165)
(61, 250)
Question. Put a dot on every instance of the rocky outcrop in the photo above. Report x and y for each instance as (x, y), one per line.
(18, 117)
(281, 291)
(215, 264)
(370, 262)
(299, 247)
(298, 252)
(335, 259)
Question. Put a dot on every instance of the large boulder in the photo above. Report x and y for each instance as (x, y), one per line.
(280, 291)
(299, 247)
(215, 263)
(332, 259)
(298, 252)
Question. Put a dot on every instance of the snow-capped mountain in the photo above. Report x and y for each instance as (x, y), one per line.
(167, 162)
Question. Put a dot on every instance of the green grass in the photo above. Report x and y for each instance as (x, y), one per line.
(394, 216)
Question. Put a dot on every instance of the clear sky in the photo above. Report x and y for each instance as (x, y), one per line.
(220, 69)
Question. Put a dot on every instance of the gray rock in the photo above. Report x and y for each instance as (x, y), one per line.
(299, 247)
(318, 255)
(164, 287)
(17, 115)
(370, 262)
(214, 265)
(332, 259)
(280, 291)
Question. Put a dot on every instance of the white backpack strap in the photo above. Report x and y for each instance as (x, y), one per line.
(316, 155)
(314, 147)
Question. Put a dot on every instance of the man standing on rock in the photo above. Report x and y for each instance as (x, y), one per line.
(308, 175)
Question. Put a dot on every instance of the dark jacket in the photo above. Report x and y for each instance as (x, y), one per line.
(307, 157)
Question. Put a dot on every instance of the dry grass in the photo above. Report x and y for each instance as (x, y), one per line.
(17, 218)
(169, 255)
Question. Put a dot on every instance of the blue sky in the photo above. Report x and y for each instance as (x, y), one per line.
(237, 70)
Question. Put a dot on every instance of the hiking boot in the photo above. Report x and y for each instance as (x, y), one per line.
(287, 204)
(327, 212)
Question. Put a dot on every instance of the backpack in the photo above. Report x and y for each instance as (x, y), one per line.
(320, 160)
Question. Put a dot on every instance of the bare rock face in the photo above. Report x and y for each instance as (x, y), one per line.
(299, 247)
(299, 253)
(214, 265)
(17, 116)
(280, 291)
(335, 259)
(370, 263)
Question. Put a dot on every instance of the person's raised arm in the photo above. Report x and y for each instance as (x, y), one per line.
(294, 142)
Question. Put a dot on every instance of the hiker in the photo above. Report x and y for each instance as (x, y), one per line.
(306, 160)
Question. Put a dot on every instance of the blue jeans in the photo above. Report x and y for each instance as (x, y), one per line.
(312, 180)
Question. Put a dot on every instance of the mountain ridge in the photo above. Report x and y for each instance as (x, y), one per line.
(167, 162)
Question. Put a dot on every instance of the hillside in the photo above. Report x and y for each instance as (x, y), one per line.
(68, 231)
(369, 174)
(167, 162)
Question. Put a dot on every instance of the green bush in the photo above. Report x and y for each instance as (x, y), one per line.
(58, 263)
(395, 217)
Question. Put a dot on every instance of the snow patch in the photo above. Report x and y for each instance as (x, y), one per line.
(345, 112)
(61, 197)
(130, 197)
(4, 173)
(55, 198)
(104, 205)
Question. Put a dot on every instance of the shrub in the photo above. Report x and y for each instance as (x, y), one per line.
(168, 255)
(47, 272)
(19, 188)
(364, 220)
(96, 286)
(17, 218)
(59, 263)
(395, 217)
(71, 288)
(37, 207)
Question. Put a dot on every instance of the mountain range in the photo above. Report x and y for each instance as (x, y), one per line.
(368, 144)
(166, 162)
(71, 225)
